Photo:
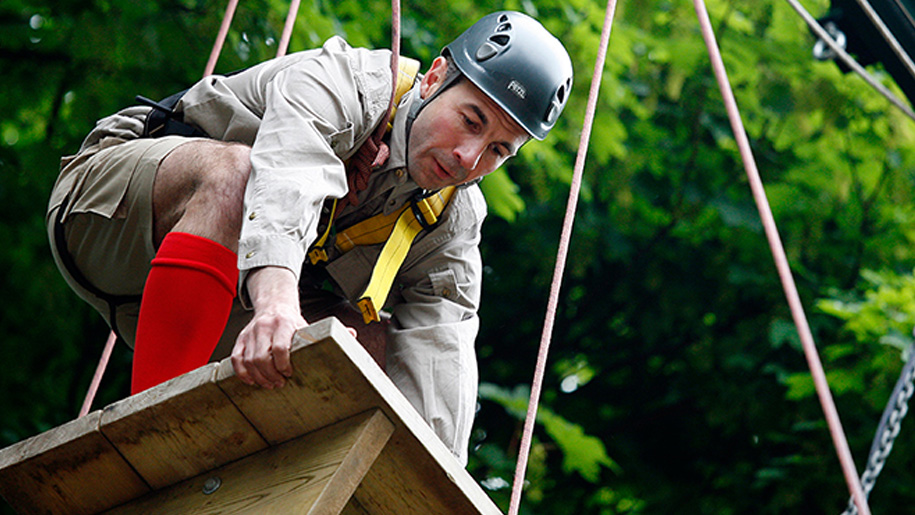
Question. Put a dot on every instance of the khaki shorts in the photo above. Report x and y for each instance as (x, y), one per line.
(108, 225)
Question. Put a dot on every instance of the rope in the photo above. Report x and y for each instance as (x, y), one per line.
(888, 36)
(287, 28)
(888, 429)
(781, 262)
(374, 152)
(99, 372)
(220, 38)
(562, 253)
(849, 60)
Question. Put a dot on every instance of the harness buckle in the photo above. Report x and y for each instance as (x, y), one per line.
(317, 255)
(423, 212)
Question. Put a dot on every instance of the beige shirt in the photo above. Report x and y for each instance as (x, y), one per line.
(303, 115)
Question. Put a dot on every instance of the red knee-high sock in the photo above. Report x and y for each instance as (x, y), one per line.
(186, 303)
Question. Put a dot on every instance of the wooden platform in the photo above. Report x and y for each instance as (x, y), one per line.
(338, 438)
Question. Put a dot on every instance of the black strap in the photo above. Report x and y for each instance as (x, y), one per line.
(113, 301)
(164, 121)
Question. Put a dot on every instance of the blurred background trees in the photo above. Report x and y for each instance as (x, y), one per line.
(676, 380)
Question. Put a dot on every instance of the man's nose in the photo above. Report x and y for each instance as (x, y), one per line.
(469, 154)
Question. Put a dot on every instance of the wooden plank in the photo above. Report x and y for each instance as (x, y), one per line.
(179, 429)
(368, 445)
(48, 473)
(315, 473)
(319, 393)
(191, 425)
(335, 377)
(353, 507)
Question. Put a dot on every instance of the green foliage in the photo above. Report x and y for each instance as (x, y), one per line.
(581, 453)
(884, 314)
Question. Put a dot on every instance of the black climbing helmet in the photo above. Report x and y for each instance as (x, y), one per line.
(521, 66)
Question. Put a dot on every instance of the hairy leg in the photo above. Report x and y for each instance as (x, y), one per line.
(197, 207)
(199, 189)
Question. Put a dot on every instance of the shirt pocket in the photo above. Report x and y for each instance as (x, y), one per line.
(444, 284)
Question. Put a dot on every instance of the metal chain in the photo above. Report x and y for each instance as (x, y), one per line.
(888, 430)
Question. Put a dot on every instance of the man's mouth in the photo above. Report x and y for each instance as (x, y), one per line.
(442, 172)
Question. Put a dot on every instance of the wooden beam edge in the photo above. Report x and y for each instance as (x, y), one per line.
(396, 407)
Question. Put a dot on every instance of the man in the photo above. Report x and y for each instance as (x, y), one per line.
(189, 221)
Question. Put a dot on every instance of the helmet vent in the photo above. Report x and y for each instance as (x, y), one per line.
(504, 27)
(561, 93)
(500, 39)
(503, 18)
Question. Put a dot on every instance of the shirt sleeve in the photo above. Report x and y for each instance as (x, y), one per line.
(317, 111)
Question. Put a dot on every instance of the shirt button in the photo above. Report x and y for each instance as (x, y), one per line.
(446, 292)
(392, 203)
(252, 216)
(250, 255)
(399, 173)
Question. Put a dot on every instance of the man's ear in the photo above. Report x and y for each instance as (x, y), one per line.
(433, 78)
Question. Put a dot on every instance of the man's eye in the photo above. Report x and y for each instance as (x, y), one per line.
(497, 150)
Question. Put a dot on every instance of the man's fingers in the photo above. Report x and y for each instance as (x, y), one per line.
(262, 353)
(261, 358)
(282, 344)
(238, 363)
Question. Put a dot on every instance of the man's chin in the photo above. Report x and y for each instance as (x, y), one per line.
(429, 183)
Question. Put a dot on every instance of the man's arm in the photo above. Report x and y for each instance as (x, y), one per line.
(434, 325)
(315, 112)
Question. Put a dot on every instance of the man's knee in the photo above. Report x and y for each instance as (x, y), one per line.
(200, 189)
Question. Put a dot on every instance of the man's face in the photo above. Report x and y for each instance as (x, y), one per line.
(460, 136)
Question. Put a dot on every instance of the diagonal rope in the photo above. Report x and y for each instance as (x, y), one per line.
(781, 263)
(849, 60)
(287, 28)
(888, 36)
(112, 337)
(562, 253)
(220, 38)
(99, 372)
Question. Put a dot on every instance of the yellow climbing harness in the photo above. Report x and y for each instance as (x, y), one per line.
(396, 230)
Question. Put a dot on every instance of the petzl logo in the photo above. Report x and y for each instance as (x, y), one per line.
(516, 88)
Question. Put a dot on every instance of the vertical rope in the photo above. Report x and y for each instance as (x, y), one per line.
(287, 28)
(562, 253)
(395, 62)
(781, 263)
(220, 38)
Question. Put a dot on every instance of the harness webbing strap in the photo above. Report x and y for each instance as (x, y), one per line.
(377, 229)
(398, 236)
(408, 71)
(317, 254)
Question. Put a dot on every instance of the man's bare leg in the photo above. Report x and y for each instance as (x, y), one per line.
(197, 204)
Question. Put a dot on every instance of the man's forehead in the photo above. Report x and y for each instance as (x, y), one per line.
(489, 109)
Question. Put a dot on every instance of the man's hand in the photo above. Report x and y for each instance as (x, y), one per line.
(261, 352)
